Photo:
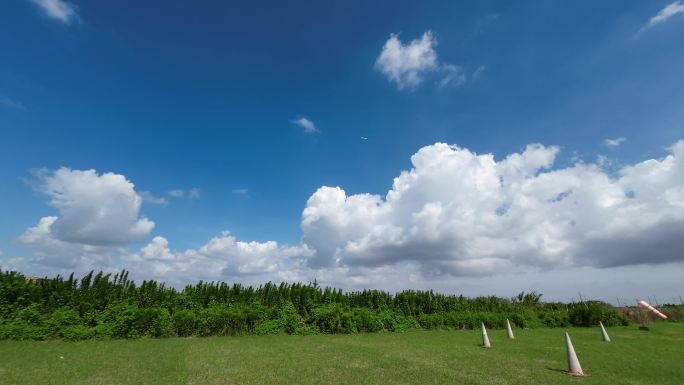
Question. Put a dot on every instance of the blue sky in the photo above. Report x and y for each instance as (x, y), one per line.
(206, 97)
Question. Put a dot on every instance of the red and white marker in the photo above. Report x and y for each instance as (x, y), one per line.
(652, 309)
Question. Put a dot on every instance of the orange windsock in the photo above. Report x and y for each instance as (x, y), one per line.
(651, 308)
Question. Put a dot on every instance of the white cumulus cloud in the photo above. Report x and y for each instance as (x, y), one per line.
(221, 258)
(460, 213)
(94, 209)
(59, 10)
(406, 65)
(51, 252)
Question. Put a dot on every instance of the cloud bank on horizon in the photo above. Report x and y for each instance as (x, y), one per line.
(455, 213)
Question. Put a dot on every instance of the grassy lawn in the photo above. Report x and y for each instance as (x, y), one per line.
(422, 357)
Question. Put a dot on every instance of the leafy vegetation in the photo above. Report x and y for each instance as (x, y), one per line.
(102, 306)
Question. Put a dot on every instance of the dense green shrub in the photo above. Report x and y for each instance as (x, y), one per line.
(394, 322)
(28, 324)
(21, 330)
(333, 318)
(366, 320)
(62, 319)
(462, 320)
(102, 306)
(591, 312)
(153, 322)
(78, 333)
(554, 319)
(184, 322)
(118, 321)
(219, 319)
(273, 326)
(287, 321)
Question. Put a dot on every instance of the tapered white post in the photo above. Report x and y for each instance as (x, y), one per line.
(485, 338)
(574, 367)
(604, 333)
(509, 330)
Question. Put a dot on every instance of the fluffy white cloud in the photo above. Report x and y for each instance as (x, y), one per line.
(248, 257)
(665, 14)
(51, 252)
(461, 213)
(221, 258)
(405, 64)
(308, 126)
(60, 10)
(94, 209)
(157, 250)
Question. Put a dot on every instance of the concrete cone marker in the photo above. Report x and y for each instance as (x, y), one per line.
(485, 339)
(604, 333)
(574, 367)
(509, 330)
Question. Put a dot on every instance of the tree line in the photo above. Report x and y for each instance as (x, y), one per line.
(100, 305)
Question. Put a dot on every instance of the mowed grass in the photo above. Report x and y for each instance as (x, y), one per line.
(536, 356)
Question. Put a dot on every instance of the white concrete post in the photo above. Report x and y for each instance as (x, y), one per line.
(509, 330)
(485, 339)
(604, 333)
(574, 367)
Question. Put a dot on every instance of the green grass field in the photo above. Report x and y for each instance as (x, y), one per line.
(537, 356)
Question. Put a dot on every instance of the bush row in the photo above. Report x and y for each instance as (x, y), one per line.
(100, 306)
(123, 320)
